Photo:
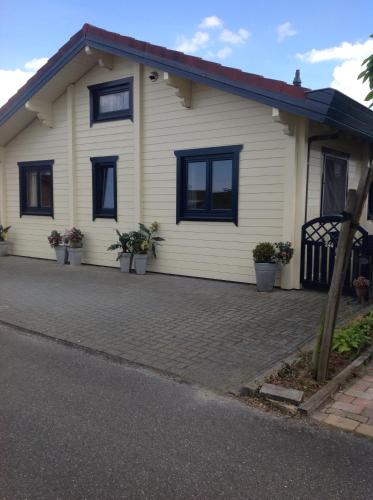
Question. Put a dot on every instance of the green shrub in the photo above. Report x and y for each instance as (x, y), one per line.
(354, 337)
(264, 253)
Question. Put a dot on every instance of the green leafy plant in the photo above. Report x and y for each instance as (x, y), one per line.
(55, 239)
(355, 336)
(4, 232)
(123, 243)
(73, 237)
(264, 253)
(151, 241)
(367, 74)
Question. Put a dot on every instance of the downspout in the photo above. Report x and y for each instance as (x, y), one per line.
(313, 138)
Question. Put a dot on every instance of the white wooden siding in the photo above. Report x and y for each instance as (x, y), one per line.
(212, 249)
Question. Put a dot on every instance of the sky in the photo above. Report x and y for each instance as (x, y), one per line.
(327, 41)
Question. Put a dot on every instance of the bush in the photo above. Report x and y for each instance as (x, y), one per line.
(55, 239)
(264, 253)
(354, 337)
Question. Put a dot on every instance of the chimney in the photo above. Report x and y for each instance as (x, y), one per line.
(297, 81)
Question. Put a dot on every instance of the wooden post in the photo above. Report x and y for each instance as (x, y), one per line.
(354, 206)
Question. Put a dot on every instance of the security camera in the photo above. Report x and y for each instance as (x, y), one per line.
(153, 76)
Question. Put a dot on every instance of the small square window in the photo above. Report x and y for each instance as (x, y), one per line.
(111, 100)
(207, 184)
(104, 187)
(36, 187)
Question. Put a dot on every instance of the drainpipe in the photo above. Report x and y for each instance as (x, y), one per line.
(313, 138)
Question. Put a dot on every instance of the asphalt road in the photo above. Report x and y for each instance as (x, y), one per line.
(78, 426)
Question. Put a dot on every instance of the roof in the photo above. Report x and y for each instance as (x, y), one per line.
(325, 105)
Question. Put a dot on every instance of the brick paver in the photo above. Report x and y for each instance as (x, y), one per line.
(352, 407)
(214, 333)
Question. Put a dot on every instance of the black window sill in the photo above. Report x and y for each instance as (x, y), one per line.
(42, 214)
(105, 216)
(111, 118)
(207, 219)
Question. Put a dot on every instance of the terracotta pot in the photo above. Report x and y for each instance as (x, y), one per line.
(362, 291)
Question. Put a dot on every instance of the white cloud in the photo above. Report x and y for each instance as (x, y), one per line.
(238, 38)
(224, 52)
(285, 30)
(191, 45)
(345, 79)
(211, 39)
(211, 22)
(341, 52)
(350, 57)
(36, 63)
(12, 79)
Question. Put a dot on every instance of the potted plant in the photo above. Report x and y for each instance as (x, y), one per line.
(142, 241)
(265, 266)
(361, 285)
(55, 241)
(125, 255)
(74, 239)
(3, 242)
(267, 257)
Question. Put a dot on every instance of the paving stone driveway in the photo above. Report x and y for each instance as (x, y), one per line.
(217, 334)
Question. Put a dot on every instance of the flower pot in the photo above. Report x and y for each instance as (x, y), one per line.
(75, 256)
(140, 262)
(61, 254)
(265, 276)
(3, 248)
(362, 292)
(125, 262)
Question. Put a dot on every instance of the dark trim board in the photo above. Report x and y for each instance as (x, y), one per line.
(326, 106)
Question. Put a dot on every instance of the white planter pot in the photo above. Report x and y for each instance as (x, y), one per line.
(75, 256)
(140, 262)
(3, 248)
(61, 254)
(125, 262)
(265, 276)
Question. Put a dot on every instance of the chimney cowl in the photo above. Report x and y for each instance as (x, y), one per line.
(297, 81)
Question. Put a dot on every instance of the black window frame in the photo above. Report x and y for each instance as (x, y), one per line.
(370, 203)
(340, 155)
(97, 90)
(208, 155)
(41, 166)
(98, 162)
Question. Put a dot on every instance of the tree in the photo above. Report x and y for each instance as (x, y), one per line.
(367, 75)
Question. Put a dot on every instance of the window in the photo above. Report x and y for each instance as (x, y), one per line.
(111, 100)
(370, 203)
(36, 187)
(334, 183)
(104, 187)
(207, 184)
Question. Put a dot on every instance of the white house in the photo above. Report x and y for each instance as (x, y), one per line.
(113, 131)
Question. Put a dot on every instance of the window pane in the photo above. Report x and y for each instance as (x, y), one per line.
(45, 189)
(196, 192)
(335, 181)
(114, 102)
(108, 188)
(32, 188)
(222, 184)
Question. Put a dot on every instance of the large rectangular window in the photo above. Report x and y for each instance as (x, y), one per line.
(111, 100)
(334, 182)
(207, 184)
(104, 187)
(36, 187)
